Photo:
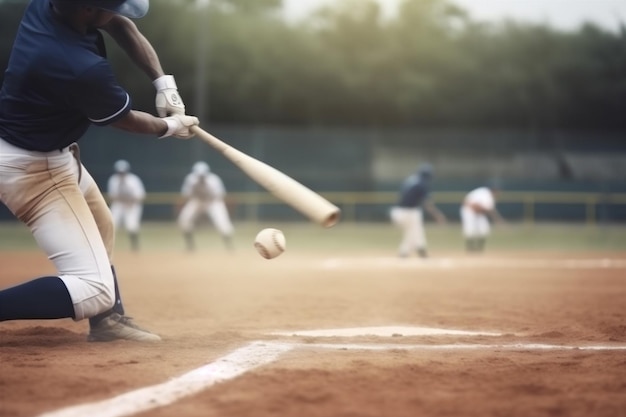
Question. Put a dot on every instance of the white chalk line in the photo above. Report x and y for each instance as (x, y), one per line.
(384, 331)
(228, 367)
(459, 346)
(261, 353)
(469, 263)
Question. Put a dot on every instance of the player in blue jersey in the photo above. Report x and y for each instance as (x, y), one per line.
(408, 215)
(59, 82)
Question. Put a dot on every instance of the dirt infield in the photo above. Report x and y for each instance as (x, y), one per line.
(559, 347)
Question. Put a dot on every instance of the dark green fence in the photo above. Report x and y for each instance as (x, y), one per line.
(346, 163)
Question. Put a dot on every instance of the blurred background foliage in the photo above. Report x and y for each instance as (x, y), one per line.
(240, 62)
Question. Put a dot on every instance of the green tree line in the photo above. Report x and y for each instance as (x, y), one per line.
(239, 61)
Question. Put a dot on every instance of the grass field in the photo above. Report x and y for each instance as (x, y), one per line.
(363, 236)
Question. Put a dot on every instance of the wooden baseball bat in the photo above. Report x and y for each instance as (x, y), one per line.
(282, 186)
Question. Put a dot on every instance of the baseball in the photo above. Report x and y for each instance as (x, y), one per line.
(270, 243)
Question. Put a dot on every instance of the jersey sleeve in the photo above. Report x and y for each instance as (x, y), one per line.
(98, 95)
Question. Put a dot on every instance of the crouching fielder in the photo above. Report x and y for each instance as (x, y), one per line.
(204, 192)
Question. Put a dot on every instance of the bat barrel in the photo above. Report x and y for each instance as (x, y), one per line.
(282, 186)
(331, 218)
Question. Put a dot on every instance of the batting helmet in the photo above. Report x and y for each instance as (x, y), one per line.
(133, 9)
(121, 166)
(201, 168)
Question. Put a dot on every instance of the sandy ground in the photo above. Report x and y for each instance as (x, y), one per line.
(210, 303)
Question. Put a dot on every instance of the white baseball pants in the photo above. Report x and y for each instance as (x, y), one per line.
(71, 223)
(215, 209)
(411, 222)
(127, 215)
(474, 224)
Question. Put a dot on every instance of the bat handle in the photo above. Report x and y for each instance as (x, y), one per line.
(210, 139)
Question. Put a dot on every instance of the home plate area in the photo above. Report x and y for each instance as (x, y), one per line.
(259, 353)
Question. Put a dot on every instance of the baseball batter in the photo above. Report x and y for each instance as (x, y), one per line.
(478, 205)
(58, 83)
(204, 192)
(126, 194)
(408, 214)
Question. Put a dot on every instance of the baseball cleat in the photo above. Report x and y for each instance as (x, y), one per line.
(118, 327)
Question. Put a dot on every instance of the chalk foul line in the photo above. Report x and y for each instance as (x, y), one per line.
(228, 367)
(384, 331)
(457, 346)
(261, 353)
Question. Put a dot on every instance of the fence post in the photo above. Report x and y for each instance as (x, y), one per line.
(591, 210)
(529, 209)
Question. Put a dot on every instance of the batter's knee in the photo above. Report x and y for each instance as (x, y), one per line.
(90, 297)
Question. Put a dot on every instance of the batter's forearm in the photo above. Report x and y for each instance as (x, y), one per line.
(141, 122)
(136, 45)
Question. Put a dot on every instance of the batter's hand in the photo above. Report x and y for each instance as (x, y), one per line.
(178, 126)
(168, 101)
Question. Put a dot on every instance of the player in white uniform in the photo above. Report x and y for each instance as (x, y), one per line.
(204, 192)
(478, 206)
(126, 194)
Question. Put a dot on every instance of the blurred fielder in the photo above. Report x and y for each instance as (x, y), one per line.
(408, 214)
(478, 206)
(204, 193)
(57, 84)
(126, 193)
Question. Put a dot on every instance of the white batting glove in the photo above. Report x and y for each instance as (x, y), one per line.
(178, 125)
(168, 101)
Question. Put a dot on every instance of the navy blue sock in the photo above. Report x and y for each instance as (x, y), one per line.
(41, 298)
(117, 308)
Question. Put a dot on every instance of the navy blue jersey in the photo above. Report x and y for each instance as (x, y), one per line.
(414, 192)
(57, 83)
